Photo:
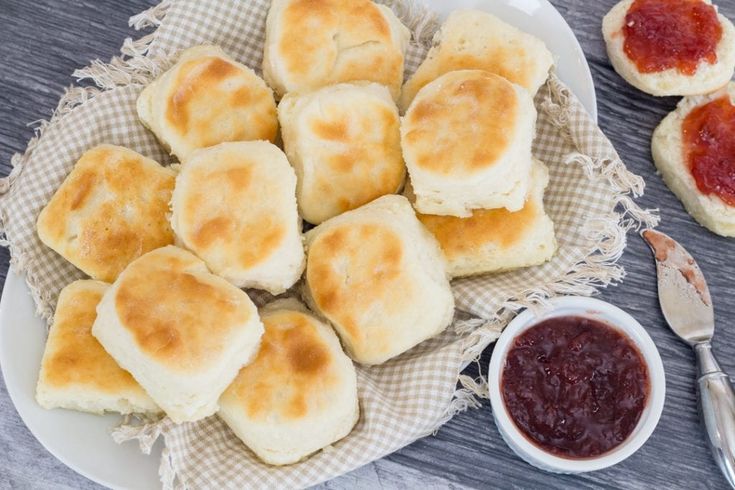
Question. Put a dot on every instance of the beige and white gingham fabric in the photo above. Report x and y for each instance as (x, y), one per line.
(406, 398)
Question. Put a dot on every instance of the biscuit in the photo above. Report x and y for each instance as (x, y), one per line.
(182, 332)
(669, 155)
(379, 277)
(345, 143)
(477, 40)
(298, 395)
(466, 140)
(207, 98)
(313, 43)
(110, 210)
(76, 371)
(707, 77)
(234, 206)
(493, 240)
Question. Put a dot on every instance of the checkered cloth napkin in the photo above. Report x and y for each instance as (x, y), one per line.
(589, 199)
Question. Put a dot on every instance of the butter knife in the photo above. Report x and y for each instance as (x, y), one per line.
(687, 307)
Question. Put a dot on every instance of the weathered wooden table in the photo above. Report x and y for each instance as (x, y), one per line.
(43, 41)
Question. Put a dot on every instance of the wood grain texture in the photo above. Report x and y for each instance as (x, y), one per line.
(42, 42)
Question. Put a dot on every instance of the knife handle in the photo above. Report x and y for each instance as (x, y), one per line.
(717, 408)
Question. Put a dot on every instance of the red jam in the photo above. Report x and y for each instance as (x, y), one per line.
(664, 34)
(709, 146)
(575, 387)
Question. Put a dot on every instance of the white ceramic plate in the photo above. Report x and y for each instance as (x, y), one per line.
(82, 441)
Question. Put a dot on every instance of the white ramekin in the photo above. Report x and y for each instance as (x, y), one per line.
(615, 317)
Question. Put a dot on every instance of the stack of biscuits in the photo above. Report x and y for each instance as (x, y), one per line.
(165, 324)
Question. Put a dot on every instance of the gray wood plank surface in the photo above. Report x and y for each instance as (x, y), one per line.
(43, 41)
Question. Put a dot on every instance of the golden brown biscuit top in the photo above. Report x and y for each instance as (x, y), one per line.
(475, 40)
(512, 61)
(179, 314)
(74, 358)
(226, 209)
(330, 41)
(499, 227)
(357, 277)
(293, 373)
(110, 210)
(497, 60)
(462, 127)
(212, 100)
(358, 159)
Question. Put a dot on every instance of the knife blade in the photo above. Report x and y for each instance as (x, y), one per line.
(682, 290)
